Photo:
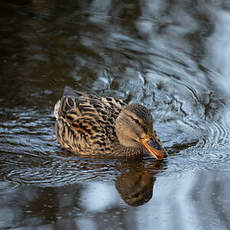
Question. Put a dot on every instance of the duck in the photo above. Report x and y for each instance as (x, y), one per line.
(92, 125)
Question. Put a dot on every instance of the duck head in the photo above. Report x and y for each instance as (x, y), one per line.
(134, 127)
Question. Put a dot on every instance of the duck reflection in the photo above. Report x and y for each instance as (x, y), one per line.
(52, 199)
(136, 186)
(136, 177)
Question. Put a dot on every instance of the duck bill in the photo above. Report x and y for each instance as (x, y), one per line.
(153, 146)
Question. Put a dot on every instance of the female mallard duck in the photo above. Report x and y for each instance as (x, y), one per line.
(93, 125)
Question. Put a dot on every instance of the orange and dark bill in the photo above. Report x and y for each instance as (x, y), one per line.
(153, 146)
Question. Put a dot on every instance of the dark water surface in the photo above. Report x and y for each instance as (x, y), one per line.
(171, 56)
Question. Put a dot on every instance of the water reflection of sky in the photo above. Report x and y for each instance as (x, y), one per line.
(171, 56)
(105, 193)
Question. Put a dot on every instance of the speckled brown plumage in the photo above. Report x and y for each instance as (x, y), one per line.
(85, 124)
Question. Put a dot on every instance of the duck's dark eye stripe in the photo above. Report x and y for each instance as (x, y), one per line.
(137, 121)
(140, 124)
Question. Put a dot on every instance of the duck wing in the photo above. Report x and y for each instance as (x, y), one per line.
(86, 123)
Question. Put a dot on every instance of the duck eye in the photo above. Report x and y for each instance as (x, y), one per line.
(137, 121)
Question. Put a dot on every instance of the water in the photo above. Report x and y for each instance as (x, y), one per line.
(173, 57)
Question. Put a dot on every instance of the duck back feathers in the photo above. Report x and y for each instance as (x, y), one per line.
(86, 123)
